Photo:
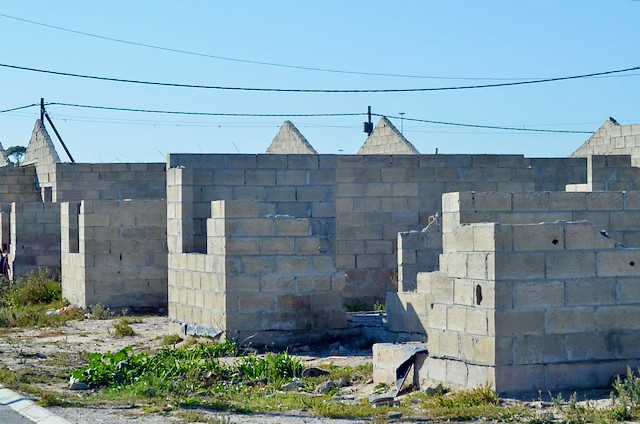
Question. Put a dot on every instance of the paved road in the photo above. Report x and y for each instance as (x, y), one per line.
(10, 402)
(9, 416)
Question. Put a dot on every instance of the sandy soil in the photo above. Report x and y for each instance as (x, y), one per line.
(38, 348)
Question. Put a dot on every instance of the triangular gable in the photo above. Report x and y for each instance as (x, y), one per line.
(387, 140)
(40, 149)
(598, 141)
(290, 141)
(4, 159)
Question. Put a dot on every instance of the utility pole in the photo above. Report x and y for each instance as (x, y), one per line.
(401, 122)
(368, 126)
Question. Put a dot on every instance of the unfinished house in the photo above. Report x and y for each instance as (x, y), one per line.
(510, 271)
(533, 290)
(32, 223)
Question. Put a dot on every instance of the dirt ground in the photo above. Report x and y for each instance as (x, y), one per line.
(41, 349)
(36, 348)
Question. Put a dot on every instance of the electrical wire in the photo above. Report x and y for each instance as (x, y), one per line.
(491, 127)
(298, 90)
(171, 112)
(19, 108)
(252, 62)
(271, 115)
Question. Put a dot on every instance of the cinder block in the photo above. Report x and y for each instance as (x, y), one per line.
(585, 236)
(577, 264)
(519, 322)
(519, 266)
(538, 237)
(492, 201)
(616, 317)
(618, 263)
(538, 294)
(570, 320)
(599, 291)
(605, 201)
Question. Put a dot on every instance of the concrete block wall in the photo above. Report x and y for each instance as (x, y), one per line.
(525, 307)
(378, 196)
(609, 173)
(18, 184)
(5, 227)
(615, 213)
(265, 276)
(418, 251)
(119, 258)
(553, 174)
(359, 202)
(73, 182)
(299, 185)
(613, 139)
(35, 237)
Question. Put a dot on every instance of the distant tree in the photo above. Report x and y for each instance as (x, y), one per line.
(16, 153)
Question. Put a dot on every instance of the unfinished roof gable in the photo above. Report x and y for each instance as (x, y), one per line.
(290, 141)
(40, 149)
(387, 140)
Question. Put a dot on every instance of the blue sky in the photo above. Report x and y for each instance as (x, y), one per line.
(459, 42)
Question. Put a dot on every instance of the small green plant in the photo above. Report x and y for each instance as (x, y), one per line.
(379, 307)
(122, 328)
(483, 395)
(99, 312)
(626, 389)
(34, 289)
(50, 399)
(34, 300)
(172, 339)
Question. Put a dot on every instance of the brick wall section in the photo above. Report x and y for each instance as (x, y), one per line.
(265, 276)
(613, 139)
(526, 307)
(5, 227)
(359, 202)
(18, 184)
(35, 237)
(609, 173)
(120, 256)
(378, 196)
(418, 251)
(73, 182)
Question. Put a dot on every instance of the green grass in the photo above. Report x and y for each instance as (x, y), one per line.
(122, 328)
(25, 302)
(172, 339)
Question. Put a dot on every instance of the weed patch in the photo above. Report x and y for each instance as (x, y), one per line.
(25, 303)
(172, 339)
(122, 328)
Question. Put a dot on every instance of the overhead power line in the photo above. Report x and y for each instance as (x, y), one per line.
(276, 115)
(306, 90)
(19, 108)
(171, 112)
(247, 61)
(492, 127)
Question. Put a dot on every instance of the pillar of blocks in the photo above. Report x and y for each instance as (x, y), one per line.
(115, 253)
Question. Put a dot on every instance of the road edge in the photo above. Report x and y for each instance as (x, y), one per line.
(27, 408)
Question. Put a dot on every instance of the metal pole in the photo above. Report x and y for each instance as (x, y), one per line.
(401, 123)
(42, 110)
(59, 138)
